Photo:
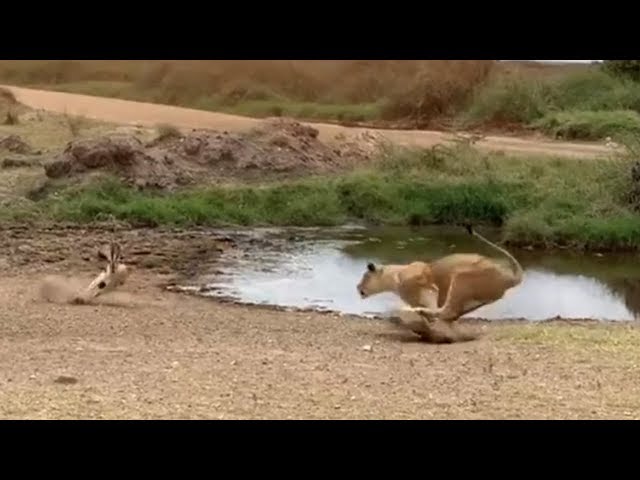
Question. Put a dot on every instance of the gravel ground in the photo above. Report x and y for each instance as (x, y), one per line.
(148, 353)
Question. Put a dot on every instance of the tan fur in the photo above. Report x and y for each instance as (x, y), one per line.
(445, 289)
(114, 275)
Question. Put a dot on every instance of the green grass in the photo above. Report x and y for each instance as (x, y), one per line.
(586, 125)
(255, 102)
(313, 202)
(538, 201)
(589, 105)
(508, 101)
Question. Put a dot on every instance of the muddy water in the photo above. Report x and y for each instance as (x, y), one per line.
(319, 268)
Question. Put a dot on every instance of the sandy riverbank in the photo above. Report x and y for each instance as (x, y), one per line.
(150, 353)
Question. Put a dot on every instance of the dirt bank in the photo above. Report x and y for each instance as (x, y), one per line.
(275, 148)
(123, 111)
(149, 353)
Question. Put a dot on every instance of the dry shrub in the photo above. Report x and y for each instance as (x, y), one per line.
(75, 123)
(8, 101)
(416, 88)
(437, 90)
(166, 131)
(331, 81)
(7, 97)
(62, 71)
(11, 118)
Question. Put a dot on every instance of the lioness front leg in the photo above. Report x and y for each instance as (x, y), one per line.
(416, 324)
(428, 314)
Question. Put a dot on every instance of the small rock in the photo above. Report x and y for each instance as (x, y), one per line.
(64, 380)
(233, 362)
(367, 348)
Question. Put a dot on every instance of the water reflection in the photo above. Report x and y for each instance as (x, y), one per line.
(320, 269)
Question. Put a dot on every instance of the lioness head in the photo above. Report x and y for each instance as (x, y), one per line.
(371, 282)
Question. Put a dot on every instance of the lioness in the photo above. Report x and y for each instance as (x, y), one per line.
(444, 289)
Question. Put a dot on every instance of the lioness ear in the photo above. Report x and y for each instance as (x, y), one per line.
(371, 267)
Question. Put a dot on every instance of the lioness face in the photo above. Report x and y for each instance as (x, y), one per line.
(371, 282)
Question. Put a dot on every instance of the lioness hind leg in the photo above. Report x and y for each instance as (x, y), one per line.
(460, 300)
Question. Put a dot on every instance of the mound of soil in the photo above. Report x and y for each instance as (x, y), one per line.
(15, 144)
(125, 156)
(278, 147)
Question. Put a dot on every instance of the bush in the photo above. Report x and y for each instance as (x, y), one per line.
(623, 68)
(509, 101)
(440, 89)
(595, 90)
(166, 131)
(589, 125)
(7, 96)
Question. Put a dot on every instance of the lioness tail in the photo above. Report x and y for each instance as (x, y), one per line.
(517, 268)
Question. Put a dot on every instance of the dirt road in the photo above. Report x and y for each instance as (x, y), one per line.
(146, 353)
(146, 114)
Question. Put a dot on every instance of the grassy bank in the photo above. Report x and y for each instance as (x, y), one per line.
(584, 105)
(537, 201)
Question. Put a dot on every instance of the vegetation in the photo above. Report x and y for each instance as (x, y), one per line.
(601, 101)
(538, 201)
(165, 130)
(624, 68)
(585, 105)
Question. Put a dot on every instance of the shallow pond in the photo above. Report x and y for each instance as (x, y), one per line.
(320, 268)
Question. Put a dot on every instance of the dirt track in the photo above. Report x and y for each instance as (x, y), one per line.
(146, 114)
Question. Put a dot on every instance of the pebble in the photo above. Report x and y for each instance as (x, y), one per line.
(367, 348)
(64, 380)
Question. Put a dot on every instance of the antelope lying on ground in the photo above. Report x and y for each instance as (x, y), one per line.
(114, 275)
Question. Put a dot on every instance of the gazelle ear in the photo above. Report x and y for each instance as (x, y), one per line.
(104, 252)
(116, 252)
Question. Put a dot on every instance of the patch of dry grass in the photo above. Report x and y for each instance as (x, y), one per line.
(165, 131)
(51, 132)
(75, 124)
(7, 97)
(620, 338)
(416, 89)
(402, 93)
